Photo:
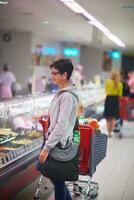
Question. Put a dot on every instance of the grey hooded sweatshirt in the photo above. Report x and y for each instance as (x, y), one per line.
(62, 112)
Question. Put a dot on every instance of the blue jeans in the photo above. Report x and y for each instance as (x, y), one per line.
(61, 191)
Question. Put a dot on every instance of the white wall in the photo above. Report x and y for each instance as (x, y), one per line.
(17, 53)
(91, 59)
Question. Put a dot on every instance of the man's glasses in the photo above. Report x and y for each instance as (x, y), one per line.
(54, 73)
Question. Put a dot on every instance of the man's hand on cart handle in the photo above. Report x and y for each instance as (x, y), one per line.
(43, 155)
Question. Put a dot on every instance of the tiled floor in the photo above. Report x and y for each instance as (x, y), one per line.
(115, 174)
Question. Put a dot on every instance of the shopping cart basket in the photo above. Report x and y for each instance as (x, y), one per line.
(126, 105)
(126, 109)
(93, 146)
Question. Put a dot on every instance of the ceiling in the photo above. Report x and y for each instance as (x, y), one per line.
(65, 25)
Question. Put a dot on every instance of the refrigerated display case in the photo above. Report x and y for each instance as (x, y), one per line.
(92, 99)
(21, 137)
(20, 142)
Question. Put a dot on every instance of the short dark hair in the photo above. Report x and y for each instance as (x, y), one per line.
(63, 65)
(6, 67)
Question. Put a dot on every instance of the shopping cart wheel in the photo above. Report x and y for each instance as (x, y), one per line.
(93, 192)
(36, 198)
(77, 190)
(94, 196)
(45, 185)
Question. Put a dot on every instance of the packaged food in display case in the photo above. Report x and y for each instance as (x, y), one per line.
(18, 133)
(20, 142)
(21, 139)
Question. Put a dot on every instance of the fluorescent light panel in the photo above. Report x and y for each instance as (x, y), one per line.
(67, 1)
(75, 7)
(45, 22)
(4, 2)
(89, 16)
(116, 40)
(107, 32)
(100, 26)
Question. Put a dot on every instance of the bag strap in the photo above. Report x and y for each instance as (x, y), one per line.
(70, 93)
(74, 95)
(76, 121)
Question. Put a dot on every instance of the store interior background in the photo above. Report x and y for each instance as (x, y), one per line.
(51, 24)
(31, 25)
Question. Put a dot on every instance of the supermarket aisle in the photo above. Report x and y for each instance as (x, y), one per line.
(115, 174)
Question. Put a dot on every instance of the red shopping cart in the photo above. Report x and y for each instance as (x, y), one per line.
(93, 146)
(126, 111)
(126, 105)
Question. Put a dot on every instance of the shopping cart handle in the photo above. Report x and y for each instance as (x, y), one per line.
(44, 121)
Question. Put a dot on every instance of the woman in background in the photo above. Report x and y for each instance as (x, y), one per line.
(113, 89)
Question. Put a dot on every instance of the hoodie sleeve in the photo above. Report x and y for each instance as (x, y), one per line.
(68, 106)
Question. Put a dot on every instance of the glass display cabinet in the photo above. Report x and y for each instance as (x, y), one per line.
(21, 137)
(20, 142)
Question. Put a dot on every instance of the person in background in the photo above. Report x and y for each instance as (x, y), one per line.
(51, 87)
(40, 84)
(7, 81)
(125, 93)
(131, 83)
(125, 90)
(77, 75)
(62, 113)
(113, 89)
(29, 84)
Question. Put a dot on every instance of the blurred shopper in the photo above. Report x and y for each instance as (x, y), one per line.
(131, 83)
(125, 89)
(125, 93)
(113, 89)
(40, 84)
(29, 84)
(7, 82)
(78, 76)
(62, 111)
(51, 87)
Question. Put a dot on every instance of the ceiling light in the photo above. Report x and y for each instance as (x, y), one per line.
(75, 7)
(100, 26)
(88, 16)
(67, 0)
(116, 40)
(107, 32)
(4, 2)
(45, 22)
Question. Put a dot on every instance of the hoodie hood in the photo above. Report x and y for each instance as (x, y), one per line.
(72, 89)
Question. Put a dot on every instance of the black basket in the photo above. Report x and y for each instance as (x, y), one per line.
(98, 151)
